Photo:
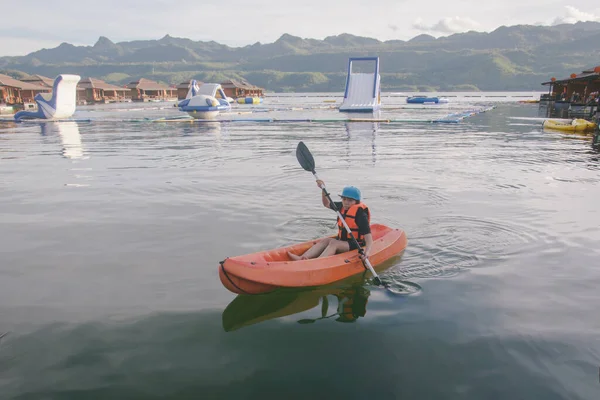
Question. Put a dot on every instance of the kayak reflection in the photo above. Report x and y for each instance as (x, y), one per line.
(351, 304)
(344, 302)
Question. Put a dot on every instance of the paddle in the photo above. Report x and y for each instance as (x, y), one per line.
(307, 162)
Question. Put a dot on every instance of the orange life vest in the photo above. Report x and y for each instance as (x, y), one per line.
(352, 304)
(350, 218)
(346, 310)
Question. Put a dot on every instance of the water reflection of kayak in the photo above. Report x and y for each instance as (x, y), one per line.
(351, 297)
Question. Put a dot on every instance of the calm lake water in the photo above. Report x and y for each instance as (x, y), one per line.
(112, 231)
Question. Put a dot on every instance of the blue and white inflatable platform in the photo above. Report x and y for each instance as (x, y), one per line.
(205, 101)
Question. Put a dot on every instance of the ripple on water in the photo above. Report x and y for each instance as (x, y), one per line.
(411, 194)
(446, 246)
(429, 262)
(485, 239)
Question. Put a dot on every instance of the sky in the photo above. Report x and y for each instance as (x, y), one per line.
(43, 24)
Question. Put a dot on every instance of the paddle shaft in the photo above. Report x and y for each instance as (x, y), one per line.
(365, 261)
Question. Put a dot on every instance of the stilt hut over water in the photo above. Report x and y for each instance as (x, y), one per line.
(39, 80)
(98, 91)
(579, 93)
(147, 90)
(578, 88)
(235, 89)
(16, 92)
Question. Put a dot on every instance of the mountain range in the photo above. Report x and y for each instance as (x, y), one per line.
(516, 57)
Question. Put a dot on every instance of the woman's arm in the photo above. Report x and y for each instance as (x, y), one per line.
(368, 244)
(364, 228)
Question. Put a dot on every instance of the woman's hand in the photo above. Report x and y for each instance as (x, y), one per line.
(320, 183)
(365, 254)
(368, 244)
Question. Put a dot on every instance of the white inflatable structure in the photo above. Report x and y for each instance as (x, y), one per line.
(212, 89)
(194, 89)
(204, 102)
(363, 92)
(59, 104)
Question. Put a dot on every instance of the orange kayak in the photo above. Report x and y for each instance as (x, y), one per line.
(268, 270)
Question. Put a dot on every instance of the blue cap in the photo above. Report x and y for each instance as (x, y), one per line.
(351, 192)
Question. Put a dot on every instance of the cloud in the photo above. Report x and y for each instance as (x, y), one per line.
(447, 25)
(572, 15)
(393, 27)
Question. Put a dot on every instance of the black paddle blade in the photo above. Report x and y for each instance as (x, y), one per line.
(304, 157)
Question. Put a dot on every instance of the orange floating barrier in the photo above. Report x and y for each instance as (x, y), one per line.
(268, 270)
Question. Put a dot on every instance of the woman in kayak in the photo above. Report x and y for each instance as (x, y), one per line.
(358, 219)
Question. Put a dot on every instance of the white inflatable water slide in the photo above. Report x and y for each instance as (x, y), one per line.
(363, 92)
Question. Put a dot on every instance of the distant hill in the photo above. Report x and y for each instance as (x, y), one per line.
(509, 58)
